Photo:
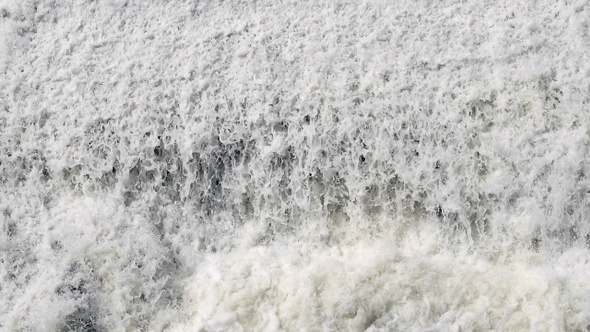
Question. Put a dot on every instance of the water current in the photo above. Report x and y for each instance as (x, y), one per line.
(294, 165)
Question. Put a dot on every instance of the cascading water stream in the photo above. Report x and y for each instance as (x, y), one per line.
(294, 165)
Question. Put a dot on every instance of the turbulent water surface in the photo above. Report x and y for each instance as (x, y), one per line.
(294, 165)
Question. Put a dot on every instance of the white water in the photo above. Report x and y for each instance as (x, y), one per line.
(294, 165)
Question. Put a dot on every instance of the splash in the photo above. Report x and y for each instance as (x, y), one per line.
(293, 165)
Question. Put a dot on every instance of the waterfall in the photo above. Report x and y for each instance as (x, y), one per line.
(294, 165)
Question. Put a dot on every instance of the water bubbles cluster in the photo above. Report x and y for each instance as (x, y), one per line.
(138, 140)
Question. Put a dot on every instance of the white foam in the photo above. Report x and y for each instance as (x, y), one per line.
(264, 165)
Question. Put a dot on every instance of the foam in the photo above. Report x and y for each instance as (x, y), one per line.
(291, 165)
(385, 285)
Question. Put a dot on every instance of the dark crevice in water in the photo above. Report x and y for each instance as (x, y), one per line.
(83, 319)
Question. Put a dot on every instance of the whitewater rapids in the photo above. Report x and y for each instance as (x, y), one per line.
(294, 165)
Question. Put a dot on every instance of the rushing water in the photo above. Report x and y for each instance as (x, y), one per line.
(294, 165)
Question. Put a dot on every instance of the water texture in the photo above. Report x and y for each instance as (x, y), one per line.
(294, 165)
